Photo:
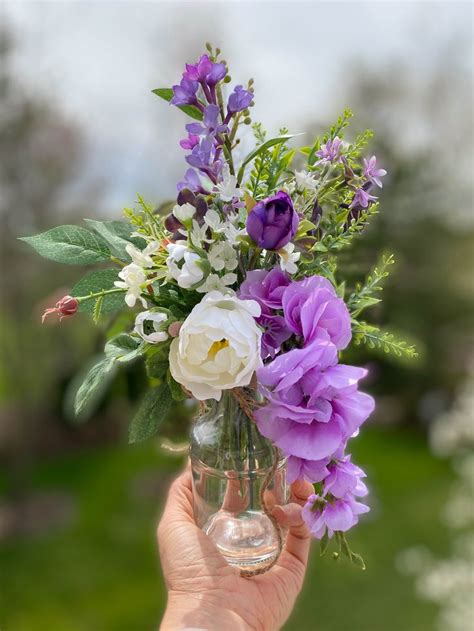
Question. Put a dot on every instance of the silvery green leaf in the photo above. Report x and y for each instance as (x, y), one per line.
(94, 282)
(96, 380)
(152, 412)
(72, 245)
(117, 234)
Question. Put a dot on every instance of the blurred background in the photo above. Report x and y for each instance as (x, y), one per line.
(80, 134)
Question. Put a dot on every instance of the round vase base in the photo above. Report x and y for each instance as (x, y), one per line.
(246, 540)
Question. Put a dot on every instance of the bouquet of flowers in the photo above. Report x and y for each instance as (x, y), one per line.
(237, 297)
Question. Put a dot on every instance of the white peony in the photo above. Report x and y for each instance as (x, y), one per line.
(149, 326)
(218, 347)
(133, 277)
(183, 265)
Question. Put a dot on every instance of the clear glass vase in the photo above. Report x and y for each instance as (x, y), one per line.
(237, 477)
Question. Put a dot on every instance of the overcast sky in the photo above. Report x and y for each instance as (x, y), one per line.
(99, 61)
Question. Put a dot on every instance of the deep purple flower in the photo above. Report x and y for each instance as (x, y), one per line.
(273, 222)
(265, 287)
(344, 477)
(330, 151)
(239, 100)
(310, 470)
(185, 93)
(210, 126)
(322, 514)
(205, 71)
(362, 198)
(311, 306)
(190, 142)
(372, 173)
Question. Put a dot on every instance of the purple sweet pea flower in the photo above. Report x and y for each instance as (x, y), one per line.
(362, 198)
(185, 93)
(190, 142)
(322, 515)
(372, 173)
(344, 477)
(311, 306)
(239, 100)
(205, 71)
(310, 470)
(273, 222)
(314, 405)
(265, 287)
(275, 333)
(330, 151)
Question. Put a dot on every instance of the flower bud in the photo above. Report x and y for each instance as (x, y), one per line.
(67, 306)
(273, 222)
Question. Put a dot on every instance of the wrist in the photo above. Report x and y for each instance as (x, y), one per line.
(199, 612)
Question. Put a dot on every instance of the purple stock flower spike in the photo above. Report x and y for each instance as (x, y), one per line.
(239, 100)
(205, 71)
(372, 173)
(185, 93)
(273, 222)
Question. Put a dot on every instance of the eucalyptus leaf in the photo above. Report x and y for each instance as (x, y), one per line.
(94, 282)
(152, 412)
(190, 110)
(98, 377)
(117, 234)
(124, 348)
(72, 245)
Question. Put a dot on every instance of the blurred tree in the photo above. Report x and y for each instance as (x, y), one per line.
(423, 138)
(40, 152)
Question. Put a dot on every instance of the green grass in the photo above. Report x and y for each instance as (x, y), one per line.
(102, 573)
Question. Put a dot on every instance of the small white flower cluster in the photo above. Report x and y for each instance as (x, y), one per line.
(201, 262)
(133, 275)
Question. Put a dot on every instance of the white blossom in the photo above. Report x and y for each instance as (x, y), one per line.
(289, 258)
(184, 213)
(305, 180)
(218, 347)
(222, 256)
(151, 321)
(228, 188)
(218, 283)
(198, 234)
(133, 277)
(213, 220)
(142, 258)
(183, 265)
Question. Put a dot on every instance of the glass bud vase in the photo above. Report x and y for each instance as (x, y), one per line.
(237, 477)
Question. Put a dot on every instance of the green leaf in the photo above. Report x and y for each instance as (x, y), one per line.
(94, 282)
(117, 234)
(157, 362)
(152, 412)
(70, 244)
(176, 390)
(124, 348)
(190, 110)
(96, 380)
(271, 142)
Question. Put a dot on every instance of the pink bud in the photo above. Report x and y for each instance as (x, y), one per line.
(174, 328)
(67, 306)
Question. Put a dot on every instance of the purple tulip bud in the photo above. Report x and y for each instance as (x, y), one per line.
(273, 222)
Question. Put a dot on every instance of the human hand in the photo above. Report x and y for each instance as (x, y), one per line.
(204, 592)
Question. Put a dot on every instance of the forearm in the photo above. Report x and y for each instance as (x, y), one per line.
(198, 612)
